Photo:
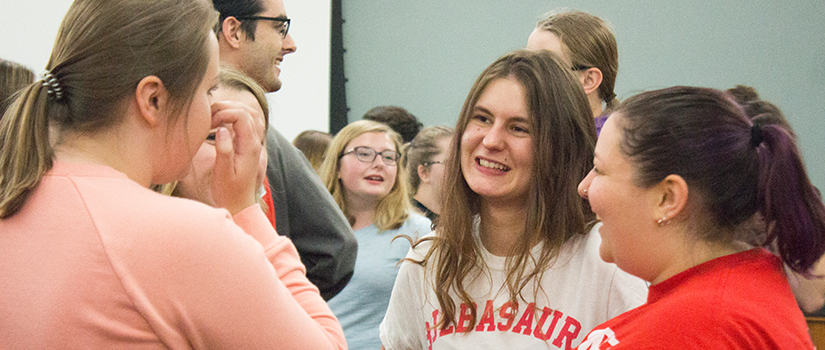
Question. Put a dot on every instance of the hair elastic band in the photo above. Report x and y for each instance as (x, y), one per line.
(53, 87)
(756, 135)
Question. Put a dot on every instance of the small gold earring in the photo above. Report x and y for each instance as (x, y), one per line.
(585, 192)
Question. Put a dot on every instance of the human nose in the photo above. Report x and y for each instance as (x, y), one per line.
(494, 139)
(584, 185)
(288, 45)
(376, 160)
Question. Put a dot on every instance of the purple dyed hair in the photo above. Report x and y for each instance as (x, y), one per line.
(704, 136)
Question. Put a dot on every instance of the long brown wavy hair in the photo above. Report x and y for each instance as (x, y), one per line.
(563, 141)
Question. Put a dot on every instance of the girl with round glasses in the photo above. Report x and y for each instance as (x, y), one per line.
(360, 169)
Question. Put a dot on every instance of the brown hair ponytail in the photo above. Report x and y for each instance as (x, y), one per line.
(103, 49)
(26, 153)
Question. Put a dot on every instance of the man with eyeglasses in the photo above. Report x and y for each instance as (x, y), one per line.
(253, 36)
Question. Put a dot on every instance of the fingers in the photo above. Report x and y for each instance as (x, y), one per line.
(241, 119)
(237, 146)
(224, 158)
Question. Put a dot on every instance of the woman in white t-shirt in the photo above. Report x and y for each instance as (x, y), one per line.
(512, 263)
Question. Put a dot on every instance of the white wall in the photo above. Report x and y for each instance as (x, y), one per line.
(30, 28)
(303, 102)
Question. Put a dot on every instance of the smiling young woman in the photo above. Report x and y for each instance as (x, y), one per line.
(682, 177)
(360, 169)
(513, 262)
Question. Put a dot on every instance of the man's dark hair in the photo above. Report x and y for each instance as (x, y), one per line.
(401, 121)
(238, 8)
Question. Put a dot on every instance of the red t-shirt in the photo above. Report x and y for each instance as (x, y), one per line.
(270, 207)
(738, 301)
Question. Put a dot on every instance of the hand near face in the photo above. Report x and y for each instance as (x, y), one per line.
(238, 144)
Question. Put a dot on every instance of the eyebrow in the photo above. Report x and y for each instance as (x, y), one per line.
(281, 17)
(485, 110)
(596, 155)
(516, 118)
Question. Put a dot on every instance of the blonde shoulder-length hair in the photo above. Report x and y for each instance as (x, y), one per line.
(393, 209)
(233, 79)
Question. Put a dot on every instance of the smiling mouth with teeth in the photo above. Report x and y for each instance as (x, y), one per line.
(492, 165)
(375, 178)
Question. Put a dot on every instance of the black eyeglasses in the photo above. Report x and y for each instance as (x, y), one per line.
(579, 67)
(284, 27)
(367, 155)
(431, 163)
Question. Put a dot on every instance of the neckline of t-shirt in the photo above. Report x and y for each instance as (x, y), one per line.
(492, 261)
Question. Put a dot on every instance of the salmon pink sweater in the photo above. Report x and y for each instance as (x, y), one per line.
(93, 260)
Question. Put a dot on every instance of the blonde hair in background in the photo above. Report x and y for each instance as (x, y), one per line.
(102, 50)
(589, 42)
(393, 209)
(235, 80)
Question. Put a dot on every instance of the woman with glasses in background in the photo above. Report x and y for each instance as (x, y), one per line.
(587, 44)
(425, 157)
(360, 170)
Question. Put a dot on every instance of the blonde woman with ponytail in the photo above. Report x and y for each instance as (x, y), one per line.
(94, 259)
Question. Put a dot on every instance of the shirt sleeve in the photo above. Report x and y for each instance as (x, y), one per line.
(627, 292)
(291, 272)
(280, 306)
(202, 279)
(306, 213)
(403, 327)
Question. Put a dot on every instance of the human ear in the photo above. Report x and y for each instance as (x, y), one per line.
(585, 184)
(231, 31)
(591, 79)
(671, 198)
(151, 97)
(423, 173)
